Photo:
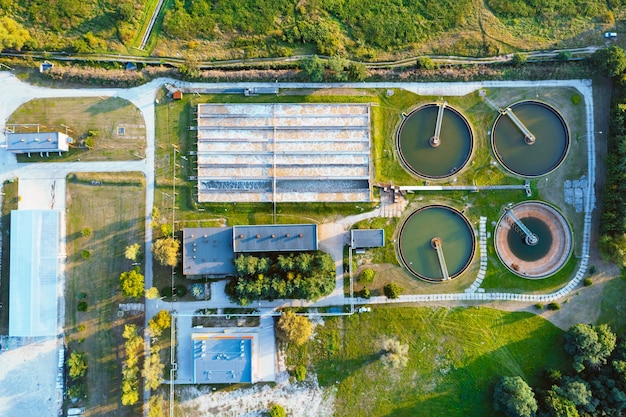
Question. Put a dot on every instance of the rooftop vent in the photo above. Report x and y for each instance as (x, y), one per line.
(287, 235)
(258, 236)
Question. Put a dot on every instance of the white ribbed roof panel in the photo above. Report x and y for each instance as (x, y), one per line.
(34, 270)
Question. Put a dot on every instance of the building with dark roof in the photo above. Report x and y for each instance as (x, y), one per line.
(38, 142)
(367, 238)
(211, 250)
(208, 251)
(275, 238)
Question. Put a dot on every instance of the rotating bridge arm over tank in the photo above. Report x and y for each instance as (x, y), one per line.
(436, 243)
(435, 140)
(529, 138)
(530, 238)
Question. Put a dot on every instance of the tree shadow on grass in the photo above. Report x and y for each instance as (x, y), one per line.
(108, 104)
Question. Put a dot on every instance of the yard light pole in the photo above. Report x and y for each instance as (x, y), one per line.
(174, 152)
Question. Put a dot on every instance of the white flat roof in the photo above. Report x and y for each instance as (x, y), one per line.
(34, 269)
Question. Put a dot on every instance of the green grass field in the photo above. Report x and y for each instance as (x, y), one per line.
(455, 358)
(103, 116)
(115, 213)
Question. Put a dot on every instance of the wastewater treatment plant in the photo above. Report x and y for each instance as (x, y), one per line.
(484, 192)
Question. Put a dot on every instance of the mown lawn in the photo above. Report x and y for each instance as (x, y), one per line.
(114, 212)
(102, 116)
(455, 358)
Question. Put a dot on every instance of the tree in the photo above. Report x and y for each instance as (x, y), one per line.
(514, 397)
(557, 406)
(392, 290)
(589, 345)
(153, 370)
(131, 284)
(131, 252)
(77, 364)
(357, 71)
(12, 34)
(294, 329)
(277, 410)
(152, 293)
(313, 68)
(396, 354)
(155, 406)
(161, 321)
(165, 250)
(611, 60)
(578, 392)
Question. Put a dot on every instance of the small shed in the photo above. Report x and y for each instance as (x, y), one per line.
(368, 238)
(45, 66)
(177, 95)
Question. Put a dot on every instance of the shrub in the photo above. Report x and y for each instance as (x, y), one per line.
(300, 373)
(367, 275)
(392, 290)
(592, 269)
(365, 293)
(554, 306)
(82, 295)
(518, 60)
(539, 306)
(277, 410)
(293, 328)
(587, 282)
(86, 232)
(425, 62)
(576, 99)
(85, 254)
(82, 306)
(81, 327)
(90, 142)
(197, 290)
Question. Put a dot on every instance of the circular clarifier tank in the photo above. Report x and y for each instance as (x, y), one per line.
(533, 240)
(434, 141)
(530, 138)
(432, 235)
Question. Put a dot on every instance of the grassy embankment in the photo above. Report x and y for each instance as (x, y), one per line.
(115, 213)
(102, 116)
(455, 358)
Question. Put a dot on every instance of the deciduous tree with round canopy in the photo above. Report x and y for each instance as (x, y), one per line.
(514, 398)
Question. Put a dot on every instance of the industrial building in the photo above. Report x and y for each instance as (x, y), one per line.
(34, 270)
(34, 142)
(211, 250)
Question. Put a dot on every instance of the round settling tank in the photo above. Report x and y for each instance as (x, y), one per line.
(533, 240)
(436, 241)
(434, 141)
(530, 138)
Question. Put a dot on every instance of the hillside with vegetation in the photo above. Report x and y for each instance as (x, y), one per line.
(362, 29)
